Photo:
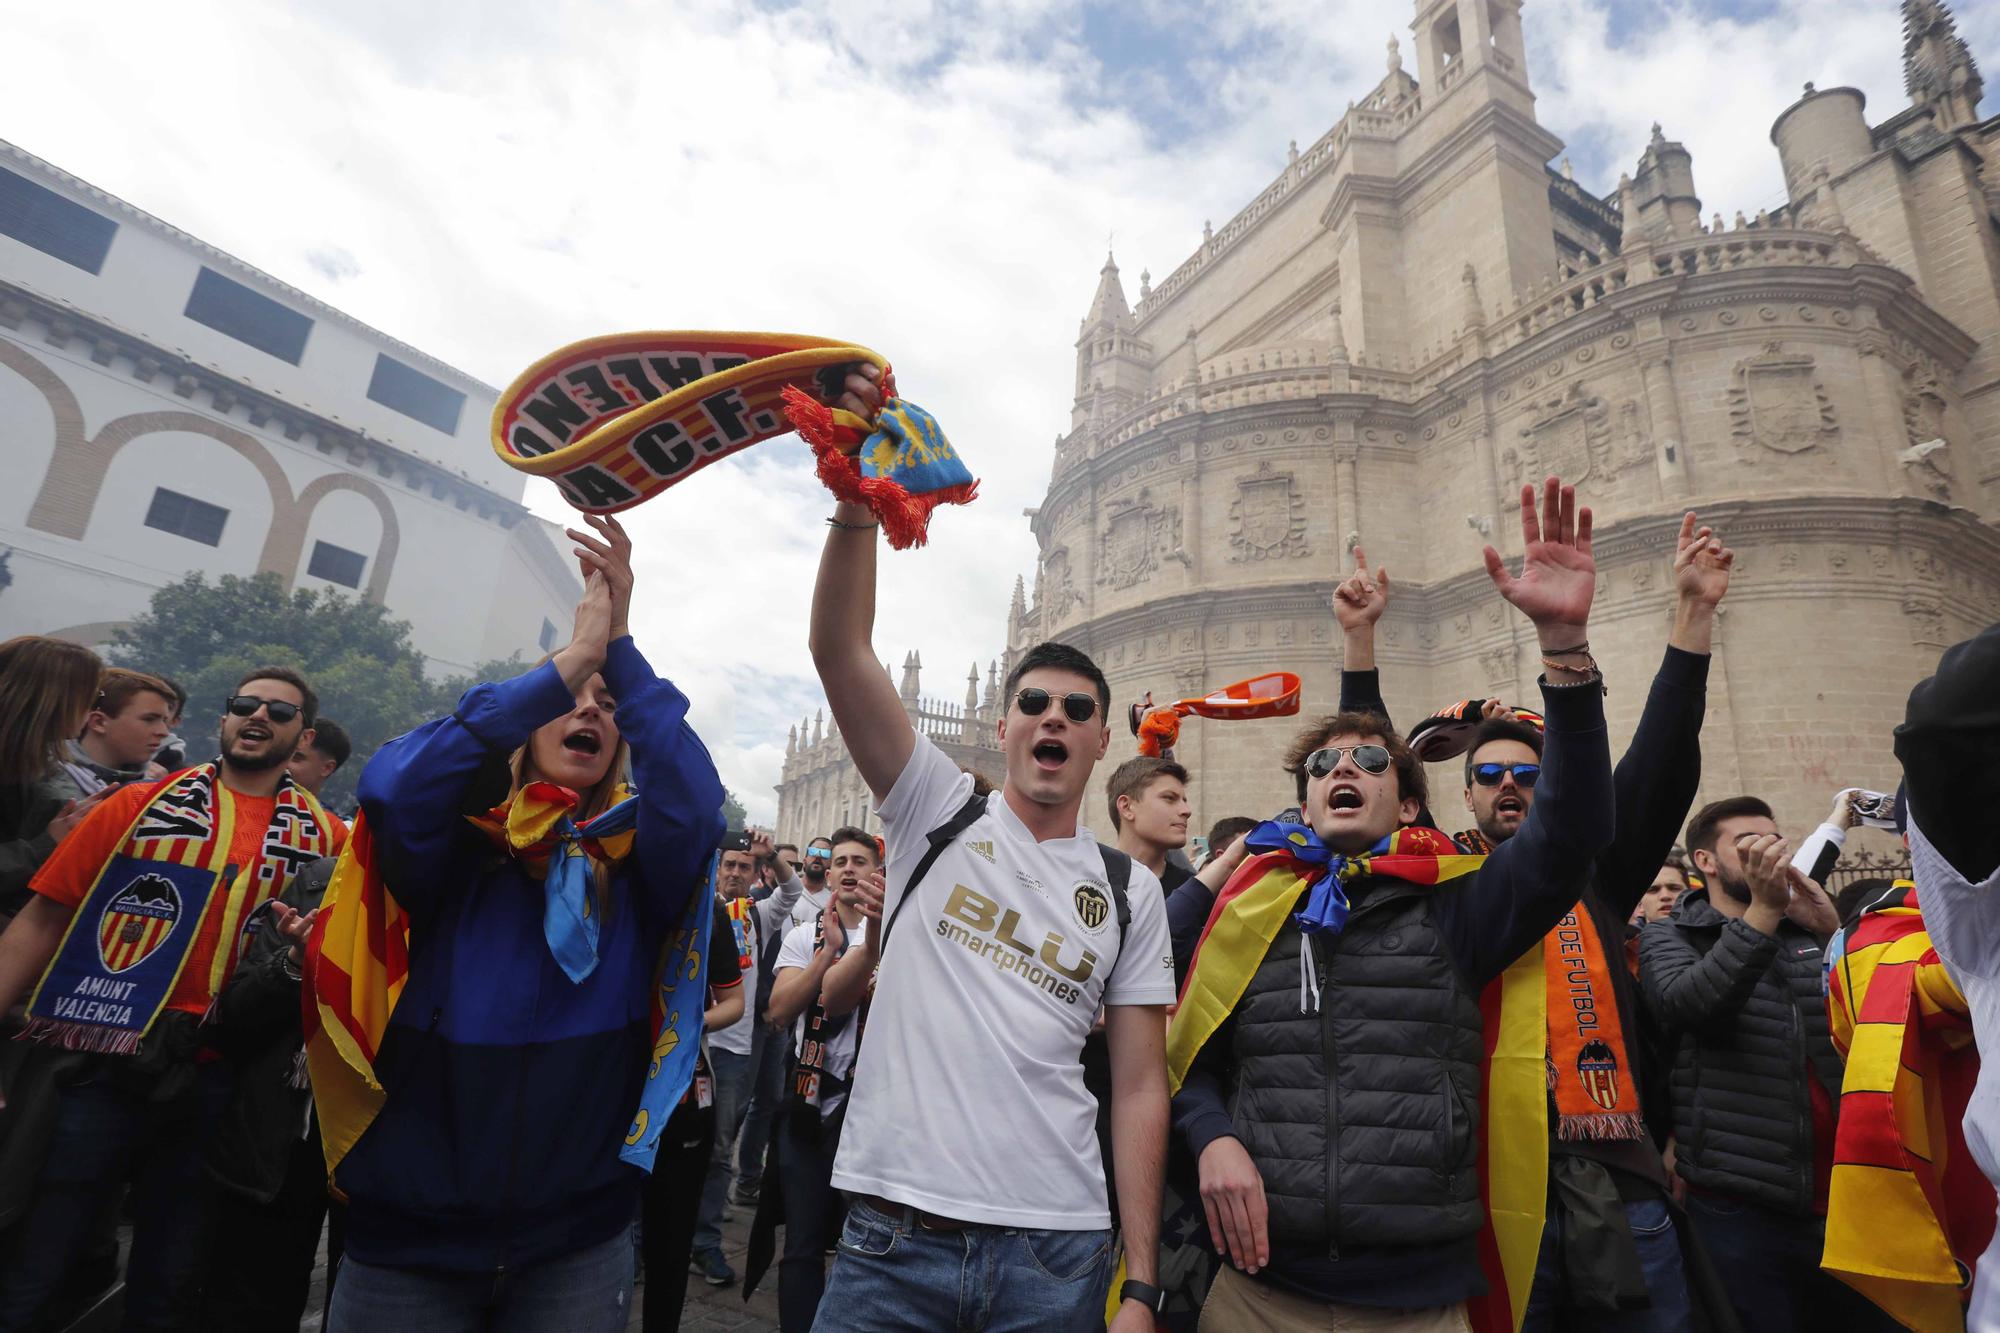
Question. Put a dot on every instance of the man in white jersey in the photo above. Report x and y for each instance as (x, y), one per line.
(969, 1149)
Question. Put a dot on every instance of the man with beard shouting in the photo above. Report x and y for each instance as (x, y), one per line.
(134, 926)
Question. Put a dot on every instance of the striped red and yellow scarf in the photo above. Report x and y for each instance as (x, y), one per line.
(1908, 1211)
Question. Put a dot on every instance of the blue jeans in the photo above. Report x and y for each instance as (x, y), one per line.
(1550, 1306)
(105, 1133)
(892, 1275)
(770, 1059)
(1769, 1264)
(732, 1090)
(589, 1291)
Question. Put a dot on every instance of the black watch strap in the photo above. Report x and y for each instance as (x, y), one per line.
(1152, 1297)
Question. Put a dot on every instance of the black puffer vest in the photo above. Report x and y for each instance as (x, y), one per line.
(1362, 1113)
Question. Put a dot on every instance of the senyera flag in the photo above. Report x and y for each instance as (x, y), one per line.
(1275, 694)
(615, 420)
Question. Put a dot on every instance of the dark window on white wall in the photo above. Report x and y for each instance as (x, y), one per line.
(37, 216)
(548, 639)
(248, 316)
(336, 564)
(185, 516)
(415, 394)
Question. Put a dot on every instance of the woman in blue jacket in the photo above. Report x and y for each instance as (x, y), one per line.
(488, 1193)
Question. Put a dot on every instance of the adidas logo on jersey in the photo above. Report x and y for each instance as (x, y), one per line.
(983, 849)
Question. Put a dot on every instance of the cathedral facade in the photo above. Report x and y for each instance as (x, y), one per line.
(1421, 313)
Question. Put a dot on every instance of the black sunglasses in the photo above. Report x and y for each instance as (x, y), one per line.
(1367, 758)
(246, 705)
(1079, 706)
(1489, 775)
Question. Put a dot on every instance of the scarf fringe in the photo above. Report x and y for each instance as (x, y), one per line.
(905, 517)
(1625, 1125)
(80, 1036)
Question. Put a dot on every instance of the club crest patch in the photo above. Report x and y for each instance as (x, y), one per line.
(1093, 908)
(1597, 1070)
(137, 921)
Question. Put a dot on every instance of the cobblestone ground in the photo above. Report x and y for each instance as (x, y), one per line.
(706, 1310)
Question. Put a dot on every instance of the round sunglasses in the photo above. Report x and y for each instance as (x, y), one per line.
(1367, 758)
(1077, 706)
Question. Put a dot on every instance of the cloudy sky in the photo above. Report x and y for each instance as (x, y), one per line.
(937, 179)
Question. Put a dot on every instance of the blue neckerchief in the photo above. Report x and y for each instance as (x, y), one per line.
(568, 921)
(681, 1001)
(1326, 906)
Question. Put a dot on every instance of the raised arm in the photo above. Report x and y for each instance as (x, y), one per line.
(794, 988)
(865, 704)
(1536, 876)
(1358, 602)
(1656, 779)
(774, 909)
(851, 978)
(1687, 989)
(680, 793)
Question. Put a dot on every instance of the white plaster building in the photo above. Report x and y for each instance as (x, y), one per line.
(166, 408)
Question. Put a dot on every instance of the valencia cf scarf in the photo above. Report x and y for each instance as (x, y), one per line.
(128, 942)
(813, 1082)
(617, 419)
(1908, 1210)
(1589, 1062)
(1274, 694)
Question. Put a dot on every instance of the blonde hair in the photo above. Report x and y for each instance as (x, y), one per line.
(46, 689)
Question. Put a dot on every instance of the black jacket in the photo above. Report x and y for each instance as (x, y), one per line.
(256, 1026)
(1746, 1014)
(1356, 1168)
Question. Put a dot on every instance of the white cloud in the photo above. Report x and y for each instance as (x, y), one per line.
(489, 179)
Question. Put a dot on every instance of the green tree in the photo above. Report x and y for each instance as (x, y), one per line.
(368, 675)
(733, 813)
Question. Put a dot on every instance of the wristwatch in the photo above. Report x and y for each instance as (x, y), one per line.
(1152, 1297)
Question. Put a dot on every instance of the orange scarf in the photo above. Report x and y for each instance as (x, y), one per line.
(1588, 1057)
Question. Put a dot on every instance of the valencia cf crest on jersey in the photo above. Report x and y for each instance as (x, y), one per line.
(1597, 1070)
(136, 921)
(1092, 906)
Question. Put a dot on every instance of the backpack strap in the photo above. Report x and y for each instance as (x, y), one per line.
(939, 838)
(1118, 870)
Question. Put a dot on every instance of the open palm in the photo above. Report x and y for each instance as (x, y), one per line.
(1558, 575)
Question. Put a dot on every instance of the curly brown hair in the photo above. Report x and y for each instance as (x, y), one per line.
(1410, 782)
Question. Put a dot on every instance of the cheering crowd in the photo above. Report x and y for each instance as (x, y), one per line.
(1598, 1061)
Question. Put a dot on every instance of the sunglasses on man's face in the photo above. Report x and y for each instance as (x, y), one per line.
(246, 705)
(1489, 775)
(1078, 706)
(819, 854)
(1367, 758)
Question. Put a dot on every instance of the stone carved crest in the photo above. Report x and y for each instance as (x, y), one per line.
(1267, 518)
(1058, 592)
(1776, 402)
(1499, 664)
(1137, 533)
(1568, 435)
(1927, 462)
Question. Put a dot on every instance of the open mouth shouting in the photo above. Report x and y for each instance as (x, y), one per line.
(1344, 796)
(586, 741)
(1050, 755)
(1510, 806)
(252, 733)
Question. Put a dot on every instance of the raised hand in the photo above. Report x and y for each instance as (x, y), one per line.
(607, 550)
(1360, 598)
(1701, 563)
(863, 396)
(867, 898)
(588, 642)
(1558, 575)
(761, 845)
(834, 941)
(295, 926)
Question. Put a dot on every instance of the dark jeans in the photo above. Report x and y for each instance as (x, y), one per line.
(1769, 1262)
(732, 1090)
(1551, 1306)
(107, 1133)
(893, 1274)
(589, 1291)
(669, 1200)
(261, 1255)
(770, 1058)
(812, 1221)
